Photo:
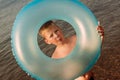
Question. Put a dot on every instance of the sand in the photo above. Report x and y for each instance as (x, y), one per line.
(106, 11)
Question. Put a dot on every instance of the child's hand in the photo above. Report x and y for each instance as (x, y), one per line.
(100, 31)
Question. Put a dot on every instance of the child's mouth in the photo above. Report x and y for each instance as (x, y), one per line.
(59, 39)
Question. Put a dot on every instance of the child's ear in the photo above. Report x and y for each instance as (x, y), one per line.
(47, 41)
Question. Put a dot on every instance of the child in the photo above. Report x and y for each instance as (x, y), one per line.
(52, 34)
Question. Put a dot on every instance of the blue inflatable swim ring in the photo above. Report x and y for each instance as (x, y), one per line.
(28, 54)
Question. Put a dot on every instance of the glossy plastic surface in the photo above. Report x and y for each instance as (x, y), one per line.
(26, 50)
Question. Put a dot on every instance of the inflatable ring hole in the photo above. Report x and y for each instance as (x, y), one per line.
(47, 36)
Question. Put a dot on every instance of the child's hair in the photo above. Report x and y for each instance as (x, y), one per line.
(45, 26)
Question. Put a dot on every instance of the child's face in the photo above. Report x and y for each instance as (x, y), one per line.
(53, 35)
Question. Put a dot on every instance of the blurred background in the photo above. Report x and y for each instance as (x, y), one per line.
(106, 11)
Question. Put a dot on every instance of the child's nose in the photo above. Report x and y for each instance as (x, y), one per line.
(56, 35)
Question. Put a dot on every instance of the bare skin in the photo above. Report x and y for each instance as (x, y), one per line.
(64, 46)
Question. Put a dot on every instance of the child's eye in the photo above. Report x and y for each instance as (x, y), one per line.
(56, 31)
(51, 35)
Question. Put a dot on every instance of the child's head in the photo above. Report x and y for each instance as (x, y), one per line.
(51, 33)
(44, 27)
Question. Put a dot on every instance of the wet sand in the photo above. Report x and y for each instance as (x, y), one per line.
(107, 12)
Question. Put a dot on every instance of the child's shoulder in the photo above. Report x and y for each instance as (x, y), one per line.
(54, 55)
(73, 38)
